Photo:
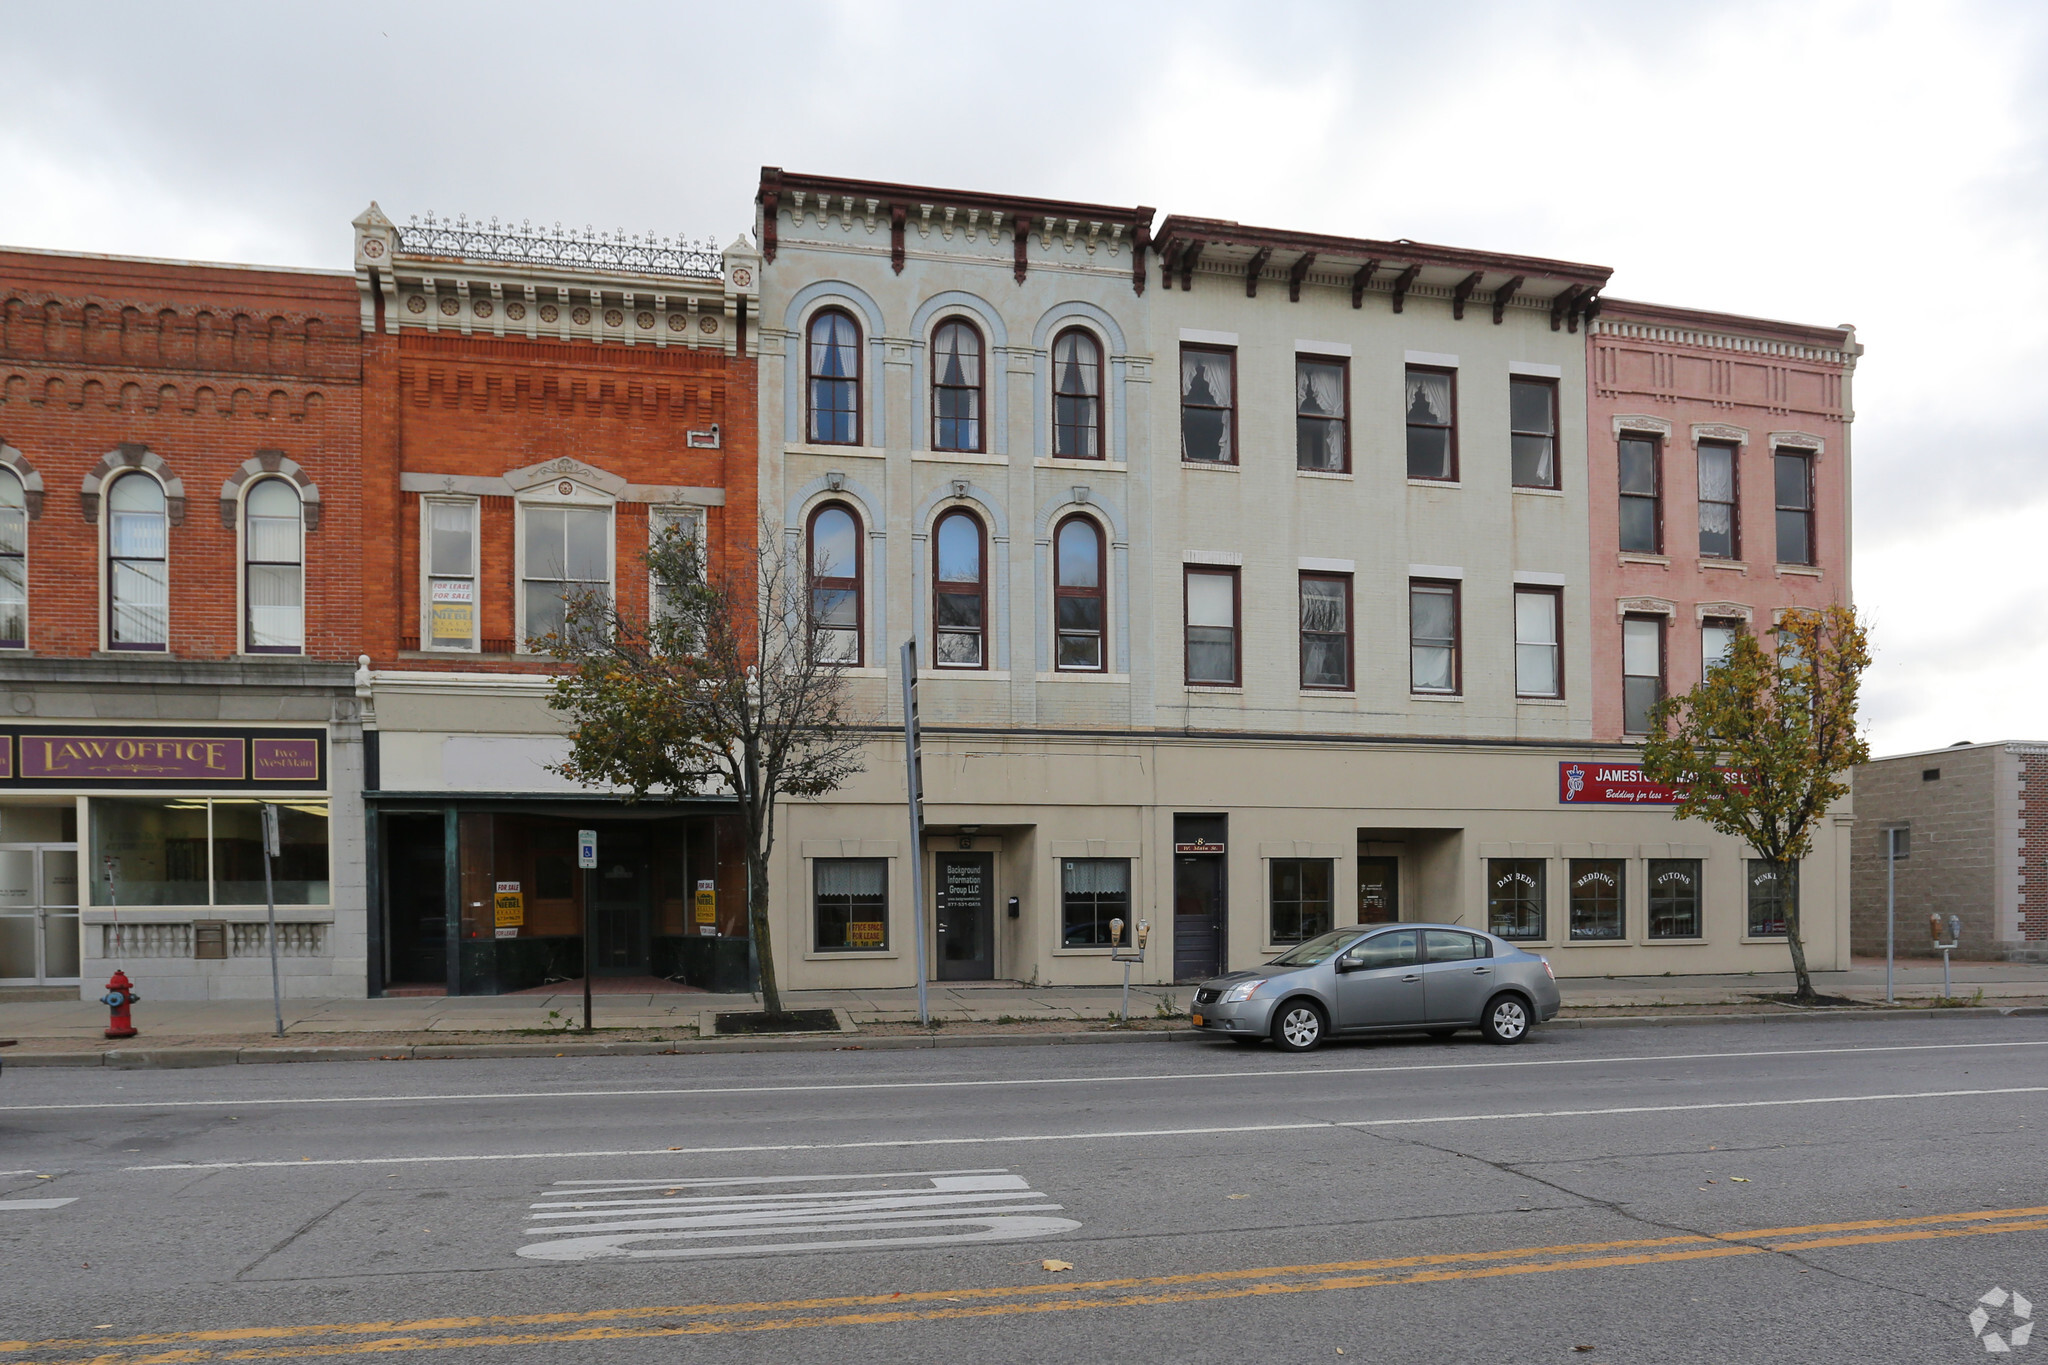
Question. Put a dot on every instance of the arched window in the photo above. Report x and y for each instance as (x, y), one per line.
(273, 560)
(834, 388)
(1079, 607)
(956, 387)
(835, 560)
(960, 593)
(138, 572)
(13, 562)
(1076, 396)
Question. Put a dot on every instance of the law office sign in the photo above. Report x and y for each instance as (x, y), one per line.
(117, 757)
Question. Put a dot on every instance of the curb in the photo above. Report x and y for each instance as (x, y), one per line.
(257, 1054)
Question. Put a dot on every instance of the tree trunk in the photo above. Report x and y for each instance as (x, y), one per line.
(757, 923)
(1802, 992)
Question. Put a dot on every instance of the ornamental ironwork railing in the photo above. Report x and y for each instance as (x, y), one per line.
(589, 249)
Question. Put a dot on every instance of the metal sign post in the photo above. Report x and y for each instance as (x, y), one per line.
(1891, 905)
(586, 858)
(1127, 954)
(273, 844)
(913, 764)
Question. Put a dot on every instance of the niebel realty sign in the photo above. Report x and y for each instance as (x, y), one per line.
(170, 758)
(1610, 784)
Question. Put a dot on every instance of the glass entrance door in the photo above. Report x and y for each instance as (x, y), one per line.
(39, 914)
(966, 916)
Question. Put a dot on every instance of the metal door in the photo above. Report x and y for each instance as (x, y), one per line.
(1197, 916)
(1379, 890)
(966, 916)
(39, 913)
(1387, 990)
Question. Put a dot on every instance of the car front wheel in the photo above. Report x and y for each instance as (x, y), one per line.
(1506, 1019)
(1299, 1027)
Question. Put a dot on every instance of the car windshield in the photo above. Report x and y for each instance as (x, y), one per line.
(1321, 948)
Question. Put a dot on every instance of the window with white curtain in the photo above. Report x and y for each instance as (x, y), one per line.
(1720, 536)
(1431, 405)
(1093, 891)
(1325, 631)
(850, 904)
(449, 529)
(1532, 415)
(1642, 671)
(13, 562)
(1536, 642)
(1321, 432)
(956, 387)
(1208, 405)
(1433, 635)
(138, 567)
(1212, 627)
(274, 570)
(1076, 396)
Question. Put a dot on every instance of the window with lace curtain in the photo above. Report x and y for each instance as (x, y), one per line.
(1431, 404)
(1720, 536)
(1322, 434)
(850, 900)
(956, 387)
(1208, 405)
(1326, 631)
(273, 569)
(13, 562)
(1093, 891)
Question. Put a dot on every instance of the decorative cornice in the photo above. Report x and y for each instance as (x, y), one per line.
(1654, 426)
(1719, 431)
(1645, 606)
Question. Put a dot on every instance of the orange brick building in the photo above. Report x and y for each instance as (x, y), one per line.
(535, 405)
(180, 600)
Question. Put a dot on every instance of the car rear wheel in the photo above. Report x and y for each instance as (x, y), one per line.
(1506, 1019)
(1300, 1026)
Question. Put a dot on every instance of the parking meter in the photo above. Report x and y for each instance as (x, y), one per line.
(1135, 953)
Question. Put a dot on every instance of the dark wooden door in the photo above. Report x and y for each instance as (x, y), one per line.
(1379, 890)
(619, 905)
(967, 916)
(415, 899)
(1197, 916)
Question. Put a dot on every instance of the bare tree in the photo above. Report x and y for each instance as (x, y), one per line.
(723, 686)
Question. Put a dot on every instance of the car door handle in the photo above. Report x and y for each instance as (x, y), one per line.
(1481, 971)
(1412, 976)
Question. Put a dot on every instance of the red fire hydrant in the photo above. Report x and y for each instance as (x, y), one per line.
(120, 995)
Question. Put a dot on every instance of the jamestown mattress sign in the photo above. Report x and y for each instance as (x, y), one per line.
(1610, 784)
(131, 758)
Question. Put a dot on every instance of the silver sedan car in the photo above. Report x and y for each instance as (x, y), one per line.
(1391, 978)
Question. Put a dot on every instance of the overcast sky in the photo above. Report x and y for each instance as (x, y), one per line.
(1885, 165)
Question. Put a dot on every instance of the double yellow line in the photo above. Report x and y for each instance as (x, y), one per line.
(705, 1319)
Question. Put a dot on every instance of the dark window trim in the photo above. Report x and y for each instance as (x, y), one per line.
(1343, 422)
(1179, 381)
(1457, 636)
(1787, 896)
(1236, 624)
(1808, 512)
(1556, 596)
(1577, 868)
(1734, 449)
(1699, 896)
(860, 378)
(22, 558)
(1656, 496)
(858, 583)
(1540, 897)
(980, 389)
(1101, 393)
(1456, 472)
(1100, 592)
(980, 593)
(1556, 421)
(249, 562)
(1350, 683)
(1099, 926)
(1273, 901)
(1663, 662)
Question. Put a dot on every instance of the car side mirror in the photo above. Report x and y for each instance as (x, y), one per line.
(1346, 962)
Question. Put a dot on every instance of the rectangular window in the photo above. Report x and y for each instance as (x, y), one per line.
(1532, 416)
(687, 522)
(1642, 671)
(1432, 636)
(1302, 900)
(1537, 670)
(568, 556)
(196, 851)
(1212, 627)
(1769, 897)
(1208, 405)
(1794, 476)
(1093, 891)
(1432, 405)
(1718, 504)
(1514, 897)
(1642, 496)
(1597, 910)
(1322, 428)
(1717, 642)
(850, 904)
(1674, 898)
(1326, 630)
(450, 530)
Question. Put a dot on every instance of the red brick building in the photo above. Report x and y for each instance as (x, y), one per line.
(180, 600)
(535, 405)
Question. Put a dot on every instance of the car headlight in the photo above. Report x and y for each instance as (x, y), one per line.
(1243, 990)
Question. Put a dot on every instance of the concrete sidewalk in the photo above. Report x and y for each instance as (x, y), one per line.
(680, 1012)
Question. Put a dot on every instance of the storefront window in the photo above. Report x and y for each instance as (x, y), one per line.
(195, 851)
(1597, 898)
(1768, 897)
(1093, 891)
(1674, 898)
(1301, 898)
(852, 904)
(1514, 897)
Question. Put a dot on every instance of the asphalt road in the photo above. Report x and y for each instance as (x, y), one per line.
(1833, 1192)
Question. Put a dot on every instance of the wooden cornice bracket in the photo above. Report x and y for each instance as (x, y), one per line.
(1298, 272)
(897, 213)
(1252, 269)
(1141, 241)
(770, 202)
(1587, 308)
(1190, 254)
(1022, 226)
(1561, 305)
(1361, 280)
(1502, 295)
(1463, 292)
(1401, 283)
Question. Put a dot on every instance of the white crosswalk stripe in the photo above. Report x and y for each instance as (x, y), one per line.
(591, 1220)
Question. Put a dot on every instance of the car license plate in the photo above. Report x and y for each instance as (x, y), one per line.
(1197, 1020)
